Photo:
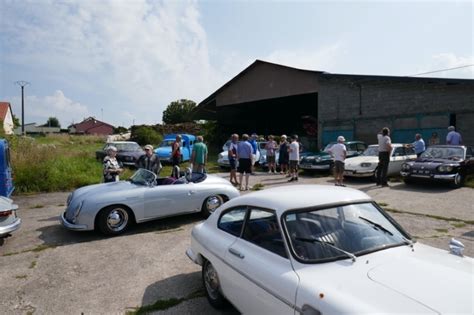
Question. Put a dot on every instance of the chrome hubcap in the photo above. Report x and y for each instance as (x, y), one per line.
(457, 179)
(211, 281)
(213, 202)
(117, 219)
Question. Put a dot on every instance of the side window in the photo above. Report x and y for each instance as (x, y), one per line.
(398, 151)
(232, 221)
(360, 147)
(410, 150)
(262, 229)
(468, 152)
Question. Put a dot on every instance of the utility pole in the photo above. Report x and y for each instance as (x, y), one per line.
(22, 84)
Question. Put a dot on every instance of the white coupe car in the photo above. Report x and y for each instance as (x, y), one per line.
(365, 165)
(314, 249)
(223, 157)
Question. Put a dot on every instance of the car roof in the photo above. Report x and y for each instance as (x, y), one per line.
(393, 145)
(121, 142)
(289, 197)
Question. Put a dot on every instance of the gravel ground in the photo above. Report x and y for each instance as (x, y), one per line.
(45, 269)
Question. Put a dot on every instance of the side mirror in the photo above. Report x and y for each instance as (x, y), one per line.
(456, 247)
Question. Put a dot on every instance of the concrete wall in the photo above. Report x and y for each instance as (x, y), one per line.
(405, 106)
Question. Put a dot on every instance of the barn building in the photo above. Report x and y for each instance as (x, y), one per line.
(269, 98)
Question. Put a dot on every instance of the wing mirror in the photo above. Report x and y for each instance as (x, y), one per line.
(456, 247)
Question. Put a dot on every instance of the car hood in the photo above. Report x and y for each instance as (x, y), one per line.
(164, 151)
(100, 189)
(356, 160)
(397, 280)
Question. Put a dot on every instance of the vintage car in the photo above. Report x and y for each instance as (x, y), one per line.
(443, 163)
(320, 249)
(165, 148)
(128, 152)
(112, 207)
(323, 160)
(366, 164)
(9, 221)
(223, 157)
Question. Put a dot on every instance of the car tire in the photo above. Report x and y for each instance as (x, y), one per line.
(114, 220)
(212, 287)
(408, 181)
(211, 204)
(458, 181)
(374, 176)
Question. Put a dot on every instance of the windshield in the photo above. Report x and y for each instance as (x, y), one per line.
(323, 235)
(443, 153)
(124, 146)
(328, 146)
(167, 143)
(143, 177)
(371, 151)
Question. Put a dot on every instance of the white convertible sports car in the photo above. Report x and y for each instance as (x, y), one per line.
(314, 249)
(365, 165)
(112, 207)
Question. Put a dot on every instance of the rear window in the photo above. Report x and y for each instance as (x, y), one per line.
(232, 221)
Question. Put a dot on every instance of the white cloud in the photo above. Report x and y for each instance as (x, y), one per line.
(322, 59)
(39, 109)
(140, 54)
(449, 61)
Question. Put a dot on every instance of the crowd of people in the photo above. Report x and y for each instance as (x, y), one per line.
(242, 156)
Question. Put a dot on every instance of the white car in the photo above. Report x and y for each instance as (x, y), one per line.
(9, 221)
(365, 165)
(223, 157)
(314, 249)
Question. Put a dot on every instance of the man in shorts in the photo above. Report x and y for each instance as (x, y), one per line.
(244, 156)
(232, 154)
(339, 153)
(294, 154)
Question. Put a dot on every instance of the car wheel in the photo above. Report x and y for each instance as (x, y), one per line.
(408, 181)
(458, 180)
(374, 176)
(114, 220)
(211, 284)
(211, 204)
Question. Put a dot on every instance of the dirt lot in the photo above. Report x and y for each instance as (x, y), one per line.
(45, 269)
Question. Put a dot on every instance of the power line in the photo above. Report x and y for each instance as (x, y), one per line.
(442, 70)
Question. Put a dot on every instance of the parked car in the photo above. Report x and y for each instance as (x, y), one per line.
(323, 160)
(320, 249)
(223, 157)
(443, 163)
(128, 152)
(164, 150)
(263, 155)
(112, 207)
(6, 177)
(9, 221)
(366, 164)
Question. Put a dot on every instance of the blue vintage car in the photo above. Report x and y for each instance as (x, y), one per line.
(164, 150)
(9, 221)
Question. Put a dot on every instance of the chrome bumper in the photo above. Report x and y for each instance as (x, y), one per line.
(448, 177)
(4, 230)
(71, 226)
(195, 258)
(314, 167)
(358, 173)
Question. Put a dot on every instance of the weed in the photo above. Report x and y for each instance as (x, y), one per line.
(383, 204)
(33, 264)
(38, 248)
(458, 225)
(469, 182)
(432, 216)
(164, 304)
(442, 230)
(21, 277)
(37, 207)
(257, 186)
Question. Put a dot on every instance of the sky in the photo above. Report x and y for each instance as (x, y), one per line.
(124, 61)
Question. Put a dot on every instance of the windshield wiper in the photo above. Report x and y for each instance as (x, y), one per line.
(376, 225)
(315, 240)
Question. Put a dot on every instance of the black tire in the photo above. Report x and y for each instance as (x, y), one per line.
(114, 220)
(458, 181)
(408, 181)
(212, 287)
(211, 204)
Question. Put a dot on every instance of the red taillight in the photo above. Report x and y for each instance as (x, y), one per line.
(6, 213)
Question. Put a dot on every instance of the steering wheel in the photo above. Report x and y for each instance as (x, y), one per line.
(189, 174)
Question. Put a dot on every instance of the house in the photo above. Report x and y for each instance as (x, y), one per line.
(91, 126)
(6, 117)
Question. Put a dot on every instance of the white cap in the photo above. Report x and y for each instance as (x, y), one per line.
(341, 139)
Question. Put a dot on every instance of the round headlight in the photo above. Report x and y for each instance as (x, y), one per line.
(220, 156)
(406, 167)
(366, 164)
(445, 168)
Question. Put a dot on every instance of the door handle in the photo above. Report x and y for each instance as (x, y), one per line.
(236, 253)
(191, 192)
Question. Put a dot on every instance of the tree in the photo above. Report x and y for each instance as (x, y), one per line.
(16, 121)
(179, 112)
(145, 135)
(120, 129)
(52, 122)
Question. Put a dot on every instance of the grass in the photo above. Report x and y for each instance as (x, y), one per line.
(164, 304)
(257, 186)
(458, 224)
(442, 230)
(37, 207)
(432, 216)
(33, 264)
(36, 249)
(21, 277)
(469, 182)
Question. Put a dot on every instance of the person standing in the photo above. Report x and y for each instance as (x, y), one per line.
(176, 151)
(453, 137)
(244, 155)
(270, 147)
(232, 154)
(418, 145)
(283, 157)
(434, 138)
(385, 148)
(112, 168)
(294, 155)
(149, 161)
(339, 152)
(199, 155)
